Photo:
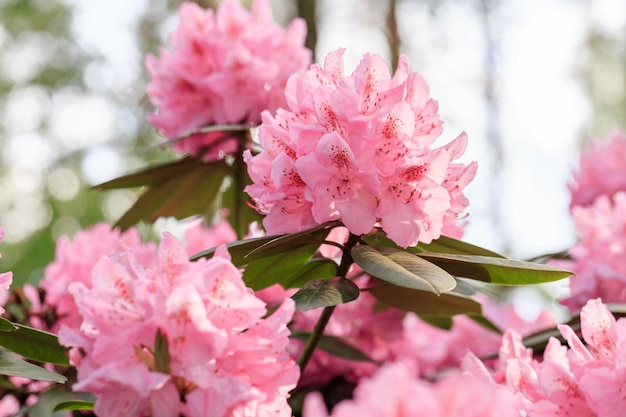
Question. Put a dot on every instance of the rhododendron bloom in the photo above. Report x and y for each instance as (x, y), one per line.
(602, 170)
(599, 257)
(394, 392)
(223, 357)
(6, 278)
(358, 148)
(225, 67)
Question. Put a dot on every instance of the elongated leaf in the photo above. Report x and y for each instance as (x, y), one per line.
(443, 244)
(151, 175)
(495, 270)
(161, 353)
(6, 325)
(246, 251)
(335, 346)
(274, 269)
(403, 269)
(314, 269)
(325, 293)
(34, 344)
(425, 302)
(76, 405)
(11, 365)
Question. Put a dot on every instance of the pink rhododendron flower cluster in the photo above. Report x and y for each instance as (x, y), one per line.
(224, 67)
(394, 391)
(598, 258)
(602, 170)
(223, 358)
(74, 259)
(358, 148)
(6, 278)
(586, 378)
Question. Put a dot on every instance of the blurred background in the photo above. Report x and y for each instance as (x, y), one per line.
(529, 81)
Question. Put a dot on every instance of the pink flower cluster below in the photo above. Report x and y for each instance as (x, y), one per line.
(223, 358)
(224, 67)
(6, 278)
(358, 148)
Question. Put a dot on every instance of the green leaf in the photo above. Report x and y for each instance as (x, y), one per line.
(6, 325)
(161, 353)
(35, 344)
(267, 271)
(425, 302)
(191, 192)
(11, 365)
(335, 346)
(443, 244)
(403, 269)
(76, 405)
(314, 269)
(495, 270)
(325, 293)
(151, 175)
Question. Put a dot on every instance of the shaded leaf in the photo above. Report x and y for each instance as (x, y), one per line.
(335, 346)
(325, 293)
(76, 405)
(314, 269)
(403, 269)
(151, 175)
(495, 270)
(270, 270)
(6, 325)
(161, 353)
(425, 302)
(11, 365)
(35, 344)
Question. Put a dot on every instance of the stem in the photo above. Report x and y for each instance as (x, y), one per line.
(318, 330)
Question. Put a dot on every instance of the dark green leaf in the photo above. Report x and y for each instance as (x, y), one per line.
(6, 325)
(314, 269)
(76, 405)
(35, 344)
(425, 302)
(11, 365)
(403, 269)
(191, 192)
(161, 353)
(152, 175)
(325, 293)
(335, 346)
(274, 269)
(495, 270)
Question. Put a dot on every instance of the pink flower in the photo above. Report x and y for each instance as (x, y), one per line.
(598, 258)
(74, 260)
(224, 358)
(224, 68)
(602, 170)
(6, 278)
(358, 148)
(394, 392)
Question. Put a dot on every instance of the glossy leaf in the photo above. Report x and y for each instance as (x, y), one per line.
(35, 344)
(325, 293)
(443, 244)
(314, 269)
(192, 192)
(335, 346)
(495, 270)
(403, 269)
(425, 302)
(76, 405)
(11, 365)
